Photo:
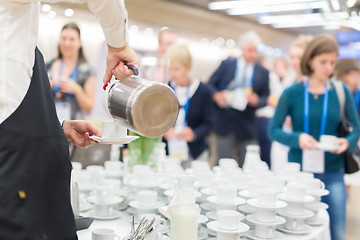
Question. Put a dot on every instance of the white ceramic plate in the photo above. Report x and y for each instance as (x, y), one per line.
(214, 226)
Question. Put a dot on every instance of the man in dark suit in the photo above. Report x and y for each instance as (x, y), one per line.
(235, 128)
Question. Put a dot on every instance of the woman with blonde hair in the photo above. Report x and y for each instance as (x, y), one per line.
(315, 111)
(195, 118)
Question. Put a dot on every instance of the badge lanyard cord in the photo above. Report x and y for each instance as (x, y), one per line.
(186, 105)
(72, 77)
(307, 108)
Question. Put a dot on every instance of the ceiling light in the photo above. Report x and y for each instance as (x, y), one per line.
(335, 4)
(276, 8)
(273, 19)
(222, 5)
(350, 3)
(69, 12)
(46, 8)
(51, 14)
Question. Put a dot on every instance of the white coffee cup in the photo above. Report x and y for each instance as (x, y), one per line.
(328, 140)
(104, 234)
(147, 198)
(104, 193)
(241, 181)
(295, 224)
(217, 182)
(295, 191)
(226, 194)
(113, 167)
(185, 182)
(104, 210)
(114, 185)
(277, 183)
(292, 167)
(228, 220)
(254, 187)
(295, 209)
(314, 185)
(265, 231)
(226, 163)
(302, 176)
(113, 130)
(266, 215)
(267, 197)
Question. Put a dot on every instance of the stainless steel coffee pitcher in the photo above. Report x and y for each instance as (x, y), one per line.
(146, 107)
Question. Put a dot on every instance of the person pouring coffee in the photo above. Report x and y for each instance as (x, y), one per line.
(34, 160)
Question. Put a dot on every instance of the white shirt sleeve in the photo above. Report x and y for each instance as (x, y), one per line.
(19, 21)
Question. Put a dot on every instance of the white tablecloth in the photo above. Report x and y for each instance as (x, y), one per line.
(122, 225)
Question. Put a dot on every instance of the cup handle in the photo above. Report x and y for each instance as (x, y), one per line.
(162, 221)
(322, 185)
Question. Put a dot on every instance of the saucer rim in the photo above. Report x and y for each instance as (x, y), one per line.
(91, 214)
(255, 203)
(278, 220)
(299, 232)
(307, 198)
(136, 206)
(282, 212)
(254, 237)
(102, 140)
(238, 201)
(94, 201)
(216, 229)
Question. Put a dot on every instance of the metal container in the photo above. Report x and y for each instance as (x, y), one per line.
(146, 107)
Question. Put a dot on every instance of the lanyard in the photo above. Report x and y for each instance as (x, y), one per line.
(357, 99)
(72, 77)
(307, 108)
(239, 80)
(186, 106)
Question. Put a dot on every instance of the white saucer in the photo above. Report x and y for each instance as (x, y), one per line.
(328, 148)
(166, 186)
(92, 214)
(170, 193)
(115, 200)
(214, 226)
(306, 214)
(278, 220)
(211, 232)
(207, 206)
(85, 207)
(251, 234)
(306, 199)
(317, 206)
(123, 140)
(135, 183)
(202, 233)
(213, 215)
(202, 219)
(307, 229)
(135, 204)
(322, 192)
(318, 222)
(238, 201)
(254, 203)
(206, 191)
(246, 209)
(245, 194)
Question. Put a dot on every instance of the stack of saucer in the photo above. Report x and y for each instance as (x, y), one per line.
(228, 226)
(316, 188)
(105, 202)
(265, 219)
(295, 213)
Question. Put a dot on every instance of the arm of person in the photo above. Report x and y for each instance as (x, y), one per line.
(351, 115)
(86, 96)
(218, 96)
(276, 132)
(265, 92)
(206, 126)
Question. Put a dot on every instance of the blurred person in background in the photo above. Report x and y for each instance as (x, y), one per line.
(348, 71)
(195, 119)
(296, 52)
(34, 158)
(159, 72)
(72, 79)
(240, 86)
(314, 108)
(277, 83)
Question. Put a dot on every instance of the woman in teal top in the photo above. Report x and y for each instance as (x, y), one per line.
(314, 109)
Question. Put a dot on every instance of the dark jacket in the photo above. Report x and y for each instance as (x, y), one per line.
(230, 120)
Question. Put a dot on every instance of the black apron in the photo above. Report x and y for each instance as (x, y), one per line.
(35, 168)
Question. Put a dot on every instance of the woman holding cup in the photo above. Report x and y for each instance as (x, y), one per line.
(314, 108)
